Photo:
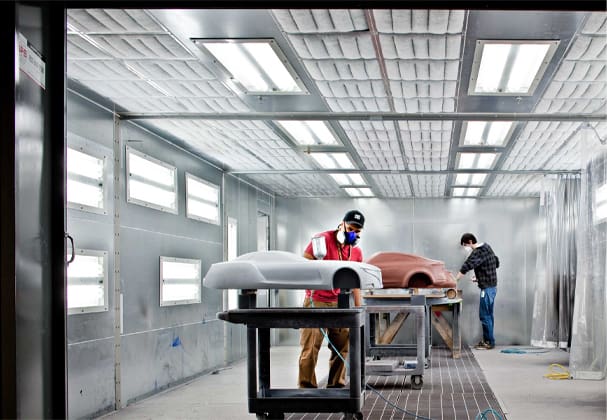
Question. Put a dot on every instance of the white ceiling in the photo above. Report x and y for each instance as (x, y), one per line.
(363, 66)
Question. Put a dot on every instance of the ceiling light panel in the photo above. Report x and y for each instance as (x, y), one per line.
(348, 179)
(465, 192)
(515, 186)
(392, 185)
(485, 133)
(475, 160)
(333, 160)
(426, 143)
(465, 179)
(509, 67)
(375, 143)
(428, 185)
(298, 185)
(309, 132)
(359, 192)
(540, 142)
(257, 65)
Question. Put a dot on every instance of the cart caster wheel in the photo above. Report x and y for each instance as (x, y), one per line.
(417, 381)
(353, 416)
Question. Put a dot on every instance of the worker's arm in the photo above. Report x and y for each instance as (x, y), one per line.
(358, 299)
(308, 256)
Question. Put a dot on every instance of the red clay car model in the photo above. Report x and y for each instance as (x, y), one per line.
(401, 271)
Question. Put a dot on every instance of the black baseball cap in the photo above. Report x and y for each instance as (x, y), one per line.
(355, 218)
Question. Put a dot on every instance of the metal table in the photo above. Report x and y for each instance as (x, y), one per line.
(269, 403)
(433, 305)
(378, 349)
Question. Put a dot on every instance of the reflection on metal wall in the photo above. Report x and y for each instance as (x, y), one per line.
(432, 228)
(556, 263)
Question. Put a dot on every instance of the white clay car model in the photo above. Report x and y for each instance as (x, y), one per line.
(285, 270)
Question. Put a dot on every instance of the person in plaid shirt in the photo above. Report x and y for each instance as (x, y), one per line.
(484, 263)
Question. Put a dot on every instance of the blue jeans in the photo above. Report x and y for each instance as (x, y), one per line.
(485, 313)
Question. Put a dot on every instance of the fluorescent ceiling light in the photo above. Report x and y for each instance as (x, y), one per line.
(509, 67)
(466, 192)
(476, 160)
(309, 132)
(486, 133)
(258, 65)
(348, 179)
(359, 192)
(333, 160)
(470, 179)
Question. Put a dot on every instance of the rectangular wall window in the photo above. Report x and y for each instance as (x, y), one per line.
(150, 182)
(180, 282)
(202, 200)
(87, 282)
(85, 181)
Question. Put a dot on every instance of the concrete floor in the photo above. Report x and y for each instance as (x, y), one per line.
(516, 379)
(518, 382)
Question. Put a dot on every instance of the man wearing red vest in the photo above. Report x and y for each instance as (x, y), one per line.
(341, 244)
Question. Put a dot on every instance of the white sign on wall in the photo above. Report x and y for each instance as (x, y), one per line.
(31, 62)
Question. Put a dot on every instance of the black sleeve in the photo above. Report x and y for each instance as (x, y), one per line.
(497, 262)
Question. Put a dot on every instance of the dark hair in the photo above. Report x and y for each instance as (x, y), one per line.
(467, 237)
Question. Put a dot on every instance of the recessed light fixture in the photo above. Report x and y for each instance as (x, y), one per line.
(258, 65)
(470, 179)
(465, 192)
(333, 160)
(348, 179)
(486, 133)
(359, 192)
(509, 67)
(476, 160)
(309, 132)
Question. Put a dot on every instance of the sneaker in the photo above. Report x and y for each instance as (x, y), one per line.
(480, 345)
(483, 345)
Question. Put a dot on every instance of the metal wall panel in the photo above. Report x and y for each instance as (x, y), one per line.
(154, 360)
(160, 346)
(91, 377)
(432, 228)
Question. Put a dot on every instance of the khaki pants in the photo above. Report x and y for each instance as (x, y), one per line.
(311, 340)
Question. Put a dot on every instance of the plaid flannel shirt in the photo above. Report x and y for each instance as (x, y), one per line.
(485, 264)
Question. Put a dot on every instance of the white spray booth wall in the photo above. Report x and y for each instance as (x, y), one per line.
(432, 228)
